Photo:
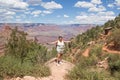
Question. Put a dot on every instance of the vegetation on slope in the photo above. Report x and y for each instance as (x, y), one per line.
(86, 68)
(23, 57)
(90, 35)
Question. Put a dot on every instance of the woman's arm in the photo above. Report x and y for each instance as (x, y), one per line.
(52, 42)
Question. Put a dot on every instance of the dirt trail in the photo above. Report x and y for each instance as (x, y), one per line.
(86, 52)
(57, 72)
(110, 51)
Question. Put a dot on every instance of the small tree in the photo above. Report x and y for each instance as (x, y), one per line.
(17, 44)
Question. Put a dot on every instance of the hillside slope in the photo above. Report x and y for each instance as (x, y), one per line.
(93, 52)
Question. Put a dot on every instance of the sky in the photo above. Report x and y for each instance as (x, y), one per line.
(58, 11)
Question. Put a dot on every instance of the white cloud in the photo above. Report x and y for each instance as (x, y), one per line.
(117, 2)
(71, 22)
(6, 15)
(21, 16)
(51, 5)
(108, 13)
(118, 8)
(10, 13)
(84, 4)
(34, 2)
(25, 21)
(36, 13)
(9, 17)
(96, 1)
(110, 5)
(93, 6)
(6, 18)
(81, 17)
(18, 17)
(66, 16)
(27, 12)
(14, 4)
(47, 12)
(2, 10)
(10, 8)
(97, 9)
(18, 20)
(98, 18)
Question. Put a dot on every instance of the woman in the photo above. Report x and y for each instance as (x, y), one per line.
(60, 45)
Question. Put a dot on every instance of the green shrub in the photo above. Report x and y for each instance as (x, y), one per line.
(51, 53)
(86, 62)
(36, 53)
(96, 51)
(79, 73)
(117, 75)
(114, 63)
(12, 67)
(90, 35)
(17, 44)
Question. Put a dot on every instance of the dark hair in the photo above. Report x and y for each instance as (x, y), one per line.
(60, 37)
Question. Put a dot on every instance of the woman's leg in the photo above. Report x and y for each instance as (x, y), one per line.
(58, 57)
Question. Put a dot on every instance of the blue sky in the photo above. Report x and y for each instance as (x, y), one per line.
(58, 11)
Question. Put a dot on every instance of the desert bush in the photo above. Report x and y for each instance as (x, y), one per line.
(86, 62)
(114, 63)
(51, 54)
(36, 53)
(90, 35)
(17, 45)
(12, 67)
(116, 75)
(79, 73)
(96, 51)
